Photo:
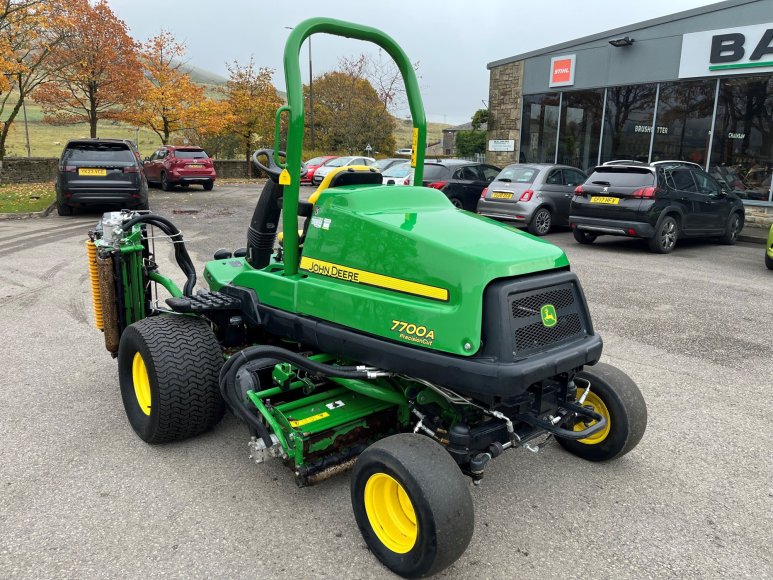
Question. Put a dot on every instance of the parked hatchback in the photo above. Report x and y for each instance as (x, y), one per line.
(535, 194)
(320, 173)
(659, 202)
(99, 172)
(313, 164)
(462, 181)
(170, 166)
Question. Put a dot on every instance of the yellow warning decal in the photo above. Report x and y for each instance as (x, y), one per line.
(284, 177)
(307, 420)
(415, 147)
(371, 279)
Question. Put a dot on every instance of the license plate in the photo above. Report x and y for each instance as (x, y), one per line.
(194, 166)
(501, 195)
(93, 172)
(603, 199)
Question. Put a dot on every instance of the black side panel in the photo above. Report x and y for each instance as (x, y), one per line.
(261, 234)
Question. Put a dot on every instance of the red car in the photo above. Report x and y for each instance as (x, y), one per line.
(314, 164)
(180, 165)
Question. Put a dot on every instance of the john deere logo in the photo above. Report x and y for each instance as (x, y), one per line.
(548, 314)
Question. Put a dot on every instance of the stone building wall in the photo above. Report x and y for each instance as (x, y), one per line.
(505, 94)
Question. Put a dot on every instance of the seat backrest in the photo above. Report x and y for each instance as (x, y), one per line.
(348, 175)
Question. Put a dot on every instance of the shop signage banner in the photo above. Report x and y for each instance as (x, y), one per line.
(562, 70)
(728, 51)
(501, 145)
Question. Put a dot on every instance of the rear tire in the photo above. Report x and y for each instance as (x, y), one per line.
(168, 369)
(613, 394)
(209, 185)
(63, 209)
(412, 505)
(457, 202)
(664, 240)
(165, 185)
(540, 222)
(734, 227)
(583, 237)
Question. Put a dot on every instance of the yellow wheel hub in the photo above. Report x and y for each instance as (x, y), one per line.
(391, 513)
(594, 401)
(141, 383)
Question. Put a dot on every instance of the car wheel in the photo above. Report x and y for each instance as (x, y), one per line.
(165, 185)
(734, 227)
(62, 209)
(665, 237)
(412, 505)
(540, 222)
(614, 396)
(768, 262)
(583, 237)
(456, 202)
(208, 185)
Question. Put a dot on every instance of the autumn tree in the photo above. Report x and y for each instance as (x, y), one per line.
(97, 70)
(29, 32)
(170, 100)
(349, 115)
(252, 103)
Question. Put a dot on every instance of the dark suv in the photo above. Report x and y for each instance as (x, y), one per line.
(100, 172)
(660, 202)
(462, 181)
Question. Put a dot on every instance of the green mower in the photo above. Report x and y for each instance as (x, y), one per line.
(393, 333)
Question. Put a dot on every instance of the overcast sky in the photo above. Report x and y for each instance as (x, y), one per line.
(453, 40)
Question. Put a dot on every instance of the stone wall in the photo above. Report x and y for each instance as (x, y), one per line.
(505, 93)
(24, 170)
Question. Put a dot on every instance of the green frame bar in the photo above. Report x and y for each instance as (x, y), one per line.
(296, 112)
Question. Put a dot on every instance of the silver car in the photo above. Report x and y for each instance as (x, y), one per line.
(535, 194)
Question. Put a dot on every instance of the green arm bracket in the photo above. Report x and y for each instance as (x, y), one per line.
(296, 110)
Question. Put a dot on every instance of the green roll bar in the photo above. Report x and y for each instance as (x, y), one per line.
(295, 111)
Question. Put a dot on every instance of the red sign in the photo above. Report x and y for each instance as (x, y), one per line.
(562, 71)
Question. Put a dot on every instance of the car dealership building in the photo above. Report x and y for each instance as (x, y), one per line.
(695, 86)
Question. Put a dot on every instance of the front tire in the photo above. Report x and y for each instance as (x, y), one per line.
(664, 240)
(412, 505)
(168, 369)
(768, 262)
(616, 397)
(540, 222)
(734, 227)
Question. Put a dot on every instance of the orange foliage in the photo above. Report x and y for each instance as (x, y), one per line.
(96, 69)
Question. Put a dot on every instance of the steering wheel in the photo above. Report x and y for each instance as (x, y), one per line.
(273, 170)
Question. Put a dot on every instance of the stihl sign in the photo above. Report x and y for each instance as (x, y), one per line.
(562, 71)
(731, 51)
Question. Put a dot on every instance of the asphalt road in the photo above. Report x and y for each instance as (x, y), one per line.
(82, 497)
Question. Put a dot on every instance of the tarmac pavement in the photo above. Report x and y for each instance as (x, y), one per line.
(82, 497)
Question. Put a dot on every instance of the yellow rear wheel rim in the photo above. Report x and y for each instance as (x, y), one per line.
(141, 383)
(390, 513)
(594, 401)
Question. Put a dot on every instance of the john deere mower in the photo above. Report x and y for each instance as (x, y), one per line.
(392, 332)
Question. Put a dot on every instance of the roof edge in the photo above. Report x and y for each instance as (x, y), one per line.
(716, 7)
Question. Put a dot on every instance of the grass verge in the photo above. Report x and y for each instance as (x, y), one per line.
(26, 197)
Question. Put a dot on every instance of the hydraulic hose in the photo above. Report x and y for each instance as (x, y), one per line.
(231, 393)
(180, 251)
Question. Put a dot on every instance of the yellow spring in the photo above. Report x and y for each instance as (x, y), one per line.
(96, 296)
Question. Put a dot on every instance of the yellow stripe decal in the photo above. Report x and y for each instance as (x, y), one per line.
(307, 420)
(370, 279)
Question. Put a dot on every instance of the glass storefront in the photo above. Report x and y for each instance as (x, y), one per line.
(742, 150)
(580, 128)
(618, 123)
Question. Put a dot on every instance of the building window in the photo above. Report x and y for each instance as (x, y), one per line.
(578, 143)
(628, 122)
(742, 149)
(539, 128)
(683, 127)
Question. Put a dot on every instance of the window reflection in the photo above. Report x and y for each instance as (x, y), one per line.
(539, 128)
(684, 121)
(581, 128)
(628, 122)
